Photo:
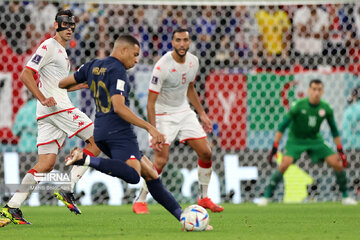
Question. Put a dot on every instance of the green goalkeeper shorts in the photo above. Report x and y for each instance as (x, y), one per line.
(317, 150)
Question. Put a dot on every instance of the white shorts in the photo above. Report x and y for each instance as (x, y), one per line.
(72, 122)
(183, 125)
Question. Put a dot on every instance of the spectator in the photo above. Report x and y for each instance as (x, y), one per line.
(14, 26)
(311, 25)
(350, 121)
(274, 27)
(25, 126)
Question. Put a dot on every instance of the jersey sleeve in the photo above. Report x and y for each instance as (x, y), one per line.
(332, 124)
(41, 57)
(158, 77)
(196, 67)
(119, 83)
(81, 74)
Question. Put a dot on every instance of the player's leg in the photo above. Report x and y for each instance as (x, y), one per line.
(275, 179)
(122, 149)
(157, 189)
(45, 164)
(202, 148)
(341, 179)
(168, 125)
(75, 123)
(160, 160)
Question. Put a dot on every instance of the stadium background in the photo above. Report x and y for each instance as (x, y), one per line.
(254, 61)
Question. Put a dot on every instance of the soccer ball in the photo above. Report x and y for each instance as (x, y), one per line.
(194, 218)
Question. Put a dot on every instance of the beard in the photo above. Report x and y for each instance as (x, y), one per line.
(178, 52)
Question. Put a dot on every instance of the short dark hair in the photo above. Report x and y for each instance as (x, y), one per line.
(315, 81)
(179, 30)
(129, 39)
(63, 12)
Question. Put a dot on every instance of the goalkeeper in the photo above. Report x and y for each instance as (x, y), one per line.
(305, 118)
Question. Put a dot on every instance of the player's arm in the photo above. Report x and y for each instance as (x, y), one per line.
(125, 113)
(27, 77)
(71, 84)
(278, 136)
(195, 101)
(152, 97)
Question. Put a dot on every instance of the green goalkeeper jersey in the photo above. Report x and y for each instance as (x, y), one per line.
(305, 120)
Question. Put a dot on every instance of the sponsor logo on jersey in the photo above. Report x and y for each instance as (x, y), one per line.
(303, 111)
(36, 59)
(44, 47)
(59, 51)
(321, 112)
(120, 85)
(173, 70)
(154, 80)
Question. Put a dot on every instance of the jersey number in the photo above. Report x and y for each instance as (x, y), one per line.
(96, 89)
(312, 121)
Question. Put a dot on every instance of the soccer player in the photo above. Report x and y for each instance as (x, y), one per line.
(305, 118)
(172, 82)
(114, 121)
(56, 116)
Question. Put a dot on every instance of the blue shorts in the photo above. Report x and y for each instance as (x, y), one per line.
(121, 145)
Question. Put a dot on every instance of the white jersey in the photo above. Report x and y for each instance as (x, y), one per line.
(52, 63)
(171, 80)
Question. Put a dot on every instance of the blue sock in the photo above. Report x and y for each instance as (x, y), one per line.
(164, 197)
(116, 168)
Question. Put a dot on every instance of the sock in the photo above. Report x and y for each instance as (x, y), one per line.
(341, 180)
(157, 169)
(143, 193)
(27, 185)
(78, 171)
(75, 174)
(276, 177)
(204, 175)
(164, 197)
(116, 168)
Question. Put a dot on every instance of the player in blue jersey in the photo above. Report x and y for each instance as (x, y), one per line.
(114, 121)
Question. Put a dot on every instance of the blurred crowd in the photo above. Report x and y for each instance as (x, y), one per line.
(238, 38)
(230, 39)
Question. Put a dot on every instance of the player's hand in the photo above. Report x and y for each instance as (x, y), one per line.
(272, 153)
(158, 139)
(48, 102)
(207, 124)
(342, 156)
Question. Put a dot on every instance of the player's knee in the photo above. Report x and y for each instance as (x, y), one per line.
(206, 156)
(134, 179)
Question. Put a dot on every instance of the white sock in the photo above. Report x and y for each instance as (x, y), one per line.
(143, 193)
(28, 184)
(204, 175)
(75, 174)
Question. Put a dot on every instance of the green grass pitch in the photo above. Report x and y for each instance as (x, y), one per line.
(244, 221)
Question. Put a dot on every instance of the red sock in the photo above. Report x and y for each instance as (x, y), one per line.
(204, 164)
(158, 170)
(87, 152)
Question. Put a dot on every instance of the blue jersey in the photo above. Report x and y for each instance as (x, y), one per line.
(106, 77)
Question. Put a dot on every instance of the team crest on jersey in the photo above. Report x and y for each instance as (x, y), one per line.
(154, 80)
(321, 112)
(36, 59)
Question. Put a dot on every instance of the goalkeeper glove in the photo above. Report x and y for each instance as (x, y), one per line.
(272, 153)
(342, 156)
